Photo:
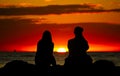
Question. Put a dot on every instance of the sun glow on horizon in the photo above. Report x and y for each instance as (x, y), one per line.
(61, 50)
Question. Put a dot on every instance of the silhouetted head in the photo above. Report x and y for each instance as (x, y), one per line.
(78, 30)
(47, 36)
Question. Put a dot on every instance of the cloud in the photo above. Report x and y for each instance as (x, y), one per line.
(48, 0)
(115, 3)
(8, 5)
(55, 9)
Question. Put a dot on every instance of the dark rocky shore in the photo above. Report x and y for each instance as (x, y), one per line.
(99, 68)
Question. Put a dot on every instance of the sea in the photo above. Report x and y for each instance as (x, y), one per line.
(29, 57)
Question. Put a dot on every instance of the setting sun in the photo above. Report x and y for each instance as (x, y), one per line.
(61, 50)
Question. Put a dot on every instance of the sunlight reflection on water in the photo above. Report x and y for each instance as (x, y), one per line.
(60, 57)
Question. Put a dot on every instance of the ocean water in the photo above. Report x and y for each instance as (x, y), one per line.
(6, 57)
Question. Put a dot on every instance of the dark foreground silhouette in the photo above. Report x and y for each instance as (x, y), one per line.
(77, 48)
(44, 55)
(98, 68)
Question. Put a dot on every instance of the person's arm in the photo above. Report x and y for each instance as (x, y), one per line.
(53, 58)
(85, 46)
(53, 61)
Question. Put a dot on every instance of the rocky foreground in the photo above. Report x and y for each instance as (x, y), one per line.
(99, 68)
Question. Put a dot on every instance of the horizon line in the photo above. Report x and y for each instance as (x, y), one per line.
(58, 52)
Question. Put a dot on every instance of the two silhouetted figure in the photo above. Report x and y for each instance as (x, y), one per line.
(44, 55)
(77, 46)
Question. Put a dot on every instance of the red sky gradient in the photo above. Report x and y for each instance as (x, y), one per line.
(25, 37)
(22, 23)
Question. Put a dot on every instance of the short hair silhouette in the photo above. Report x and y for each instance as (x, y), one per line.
(78, 47)
(78, 30)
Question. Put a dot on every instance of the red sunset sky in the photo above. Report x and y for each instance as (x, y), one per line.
(23, 22)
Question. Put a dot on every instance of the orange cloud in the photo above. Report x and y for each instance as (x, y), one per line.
(116, 3)
(7, 5)
(48, 0)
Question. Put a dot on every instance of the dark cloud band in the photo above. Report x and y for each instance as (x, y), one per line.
(53, 9)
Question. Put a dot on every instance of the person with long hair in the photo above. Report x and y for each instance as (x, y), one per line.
(44, 55)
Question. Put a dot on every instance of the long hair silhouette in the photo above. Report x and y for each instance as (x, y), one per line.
(44, 55)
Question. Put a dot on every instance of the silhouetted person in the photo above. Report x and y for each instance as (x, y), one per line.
(78, 47)
(44, 56)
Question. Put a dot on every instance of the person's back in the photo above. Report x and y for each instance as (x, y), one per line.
(79, 44)
(44, 55)
(78, 47)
